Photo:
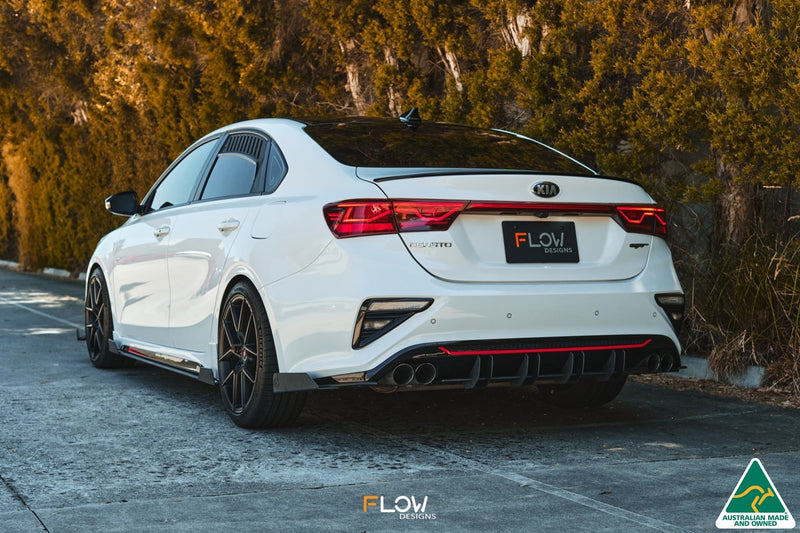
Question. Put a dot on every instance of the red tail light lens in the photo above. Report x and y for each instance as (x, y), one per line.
(360, 217)
(374, 217)
(647, 219)
(351, 218)
(425, 215)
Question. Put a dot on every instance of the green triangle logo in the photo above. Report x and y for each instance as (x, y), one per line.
(755, 503)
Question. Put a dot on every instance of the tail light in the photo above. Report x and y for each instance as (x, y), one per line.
(360, 217)
(648, 219)
(426, 216)
(374, 217)
(351, 218)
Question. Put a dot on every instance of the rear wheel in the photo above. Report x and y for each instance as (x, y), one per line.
(247, 362)
(99, 325)
(585, 393)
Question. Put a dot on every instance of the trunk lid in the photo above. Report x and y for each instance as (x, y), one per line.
(506, 233)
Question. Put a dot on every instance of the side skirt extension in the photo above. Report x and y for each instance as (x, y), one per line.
(167, 362)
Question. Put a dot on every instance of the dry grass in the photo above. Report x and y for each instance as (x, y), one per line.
(747, 311)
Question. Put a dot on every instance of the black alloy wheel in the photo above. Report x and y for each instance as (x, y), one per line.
(99, 325)
(239, 358)
(247, 363)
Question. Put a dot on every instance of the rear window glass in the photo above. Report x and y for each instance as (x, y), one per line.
(434, 145)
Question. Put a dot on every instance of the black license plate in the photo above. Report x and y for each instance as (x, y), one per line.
(540, 242)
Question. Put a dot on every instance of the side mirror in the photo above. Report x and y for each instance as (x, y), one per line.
(123, 203)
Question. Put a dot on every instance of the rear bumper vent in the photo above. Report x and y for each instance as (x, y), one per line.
(673, 304)
(377, 317)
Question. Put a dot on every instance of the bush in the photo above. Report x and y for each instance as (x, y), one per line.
(744, 310)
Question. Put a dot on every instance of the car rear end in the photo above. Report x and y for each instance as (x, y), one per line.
(483, 259)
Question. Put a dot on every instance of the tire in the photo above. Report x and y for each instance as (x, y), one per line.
(99, 325)
(585, 393)
(246, 362)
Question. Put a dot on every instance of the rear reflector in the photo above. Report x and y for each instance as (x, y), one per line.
(379, 316)
(351, 218)
(673, 304)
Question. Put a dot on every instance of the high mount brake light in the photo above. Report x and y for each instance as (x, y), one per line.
(352, 218)
(648, 219)
(374, 217)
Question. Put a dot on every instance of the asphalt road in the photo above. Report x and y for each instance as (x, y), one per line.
(143, 450)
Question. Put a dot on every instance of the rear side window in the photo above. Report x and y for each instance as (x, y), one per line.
(232, 175)
(385, 144)
(236, 169)
(276, 169)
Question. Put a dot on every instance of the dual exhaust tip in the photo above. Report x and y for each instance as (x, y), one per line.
(405, 374)
(660, 363)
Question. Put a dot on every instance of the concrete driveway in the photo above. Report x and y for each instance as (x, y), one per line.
(143, 450)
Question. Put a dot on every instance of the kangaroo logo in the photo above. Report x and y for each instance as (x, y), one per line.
(760, 497)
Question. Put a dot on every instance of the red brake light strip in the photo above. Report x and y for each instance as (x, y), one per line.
(530, 207)
(545, 350)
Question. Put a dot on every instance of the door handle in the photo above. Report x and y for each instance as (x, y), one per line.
(160, 232)
(228, 224)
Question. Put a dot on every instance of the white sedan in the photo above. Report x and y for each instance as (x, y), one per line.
(278, 256)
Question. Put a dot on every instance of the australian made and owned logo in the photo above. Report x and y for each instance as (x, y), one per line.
(755, 503)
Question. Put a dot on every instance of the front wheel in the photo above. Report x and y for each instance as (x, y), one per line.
(99, 325)
(586, 393)
(246, 363)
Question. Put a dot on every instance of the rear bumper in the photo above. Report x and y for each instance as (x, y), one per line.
(517, 362)
(314, 314)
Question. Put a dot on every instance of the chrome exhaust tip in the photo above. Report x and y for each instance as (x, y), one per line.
(402, 374)
(425, 374)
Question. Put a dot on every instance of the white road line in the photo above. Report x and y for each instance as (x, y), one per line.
(642, 520)
(40, 313)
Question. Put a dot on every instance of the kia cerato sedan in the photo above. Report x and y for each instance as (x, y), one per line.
(277, 256)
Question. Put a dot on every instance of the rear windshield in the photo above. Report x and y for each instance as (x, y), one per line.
(391, 144)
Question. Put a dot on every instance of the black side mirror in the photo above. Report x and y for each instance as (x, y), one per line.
(123, 203)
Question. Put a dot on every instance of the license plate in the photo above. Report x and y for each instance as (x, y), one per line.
(540, 242)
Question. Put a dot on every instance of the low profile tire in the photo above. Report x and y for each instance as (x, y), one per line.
(585, 393)
(246, 363)
(99, 326)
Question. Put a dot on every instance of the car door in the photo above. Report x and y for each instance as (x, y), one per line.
(202, 239)
(139, 275)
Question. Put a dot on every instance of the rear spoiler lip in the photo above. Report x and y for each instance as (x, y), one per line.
(413, 173)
